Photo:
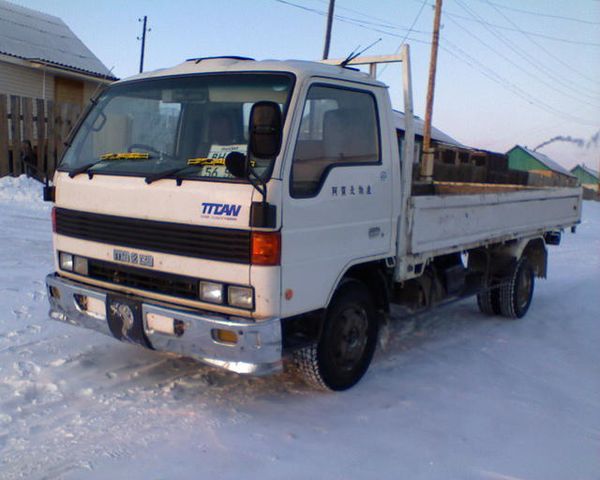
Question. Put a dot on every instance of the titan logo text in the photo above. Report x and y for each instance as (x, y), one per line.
(221, 209)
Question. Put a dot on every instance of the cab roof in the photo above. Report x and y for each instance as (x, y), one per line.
(300, 68)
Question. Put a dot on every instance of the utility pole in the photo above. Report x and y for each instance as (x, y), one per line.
(143, 39)
(328, 31)
(427, 163)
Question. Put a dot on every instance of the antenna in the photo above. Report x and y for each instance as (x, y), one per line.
(350, 57)
(355, 54)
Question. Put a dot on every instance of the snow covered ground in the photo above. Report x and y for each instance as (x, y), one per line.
(455, 395)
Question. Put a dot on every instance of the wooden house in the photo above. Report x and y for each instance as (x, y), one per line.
(40, 57)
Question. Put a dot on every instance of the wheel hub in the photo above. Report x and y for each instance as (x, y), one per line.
(351, 337)
(524, 288)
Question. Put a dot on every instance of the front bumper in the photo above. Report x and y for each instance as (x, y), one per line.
(258, 350)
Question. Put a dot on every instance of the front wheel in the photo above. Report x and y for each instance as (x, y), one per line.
(345, 349)
(517, 292)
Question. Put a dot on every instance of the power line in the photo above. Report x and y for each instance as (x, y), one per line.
(473, 63)
(366, 15)
(535, 34)
(507, 85)
(534, 62)
(376, 27)
(531, 61)
(541, 47)
(407, 33)
(541, 14)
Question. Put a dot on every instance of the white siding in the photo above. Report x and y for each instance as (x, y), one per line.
(23, 81)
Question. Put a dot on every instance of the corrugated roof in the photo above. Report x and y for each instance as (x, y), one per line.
(544, 159)
(32, 35)
(436, 134)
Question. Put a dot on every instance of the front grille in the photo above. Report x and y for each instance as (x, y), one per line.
(196, 241)
(148, 280)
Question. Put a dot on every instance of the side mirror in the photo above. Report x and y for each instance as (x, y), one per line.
(237, 164)
(265, 130)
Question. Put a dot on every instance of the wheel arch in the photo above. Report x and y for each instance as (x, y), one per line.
(534, 249)
(373, 275)
(301, 330)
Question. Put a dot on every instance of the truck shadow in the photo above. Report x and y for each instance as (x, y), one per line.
(179, 377)
(174, 379)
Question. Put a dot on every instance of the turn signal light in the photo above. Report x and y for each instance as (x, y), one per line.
(266, 248)
(225, 336)
(53, 215)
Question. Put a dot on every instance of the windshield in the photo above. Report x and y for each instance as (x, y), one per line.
(185, 124)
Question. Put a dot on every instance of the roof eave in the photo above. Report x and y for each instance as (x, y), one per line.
(67, 68)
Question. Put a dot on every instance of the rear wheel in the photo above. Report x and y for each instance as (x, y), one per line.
(345, 349)
(517, 292)
(489, 301)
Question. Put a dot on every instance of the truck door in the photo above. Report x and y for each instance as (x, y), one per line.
(337, 206)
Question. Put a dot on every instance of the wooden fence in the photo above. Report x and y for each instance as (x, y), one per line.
(33, 132)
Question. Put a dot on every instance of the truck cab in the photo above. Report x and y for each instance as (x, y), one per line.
(157, 242)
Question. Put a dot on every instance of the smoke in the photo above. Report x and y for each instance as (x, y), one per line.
(580, 142)
(593, 141)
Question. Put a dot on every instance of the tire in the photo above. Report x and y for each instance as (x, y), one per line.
(517, 292)
(345, 350)
(489, 301)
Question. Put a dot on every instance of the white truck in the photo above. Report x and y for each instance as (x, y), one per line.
(247, 212)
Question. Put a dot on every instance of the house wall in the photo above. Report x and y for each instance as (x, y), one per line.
(520, 160)
(25, 82)
(29, 82)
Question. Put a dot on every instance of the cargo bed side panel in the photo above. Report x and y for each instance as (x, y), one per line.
(454, 222)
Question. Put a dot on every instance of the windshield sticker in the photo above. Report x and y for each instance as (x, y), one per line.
(125, 156)
(220, 211)
(213, 165)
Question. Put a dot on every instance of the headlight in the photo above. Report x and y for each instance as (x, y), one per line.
(80, 265)
(242, 297)
(211, 292)
(73, 263)
(65, 261)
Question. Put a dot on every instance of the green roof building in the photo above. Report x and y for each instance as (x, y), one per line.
(542, 169)
(586, 175)
(521, 158)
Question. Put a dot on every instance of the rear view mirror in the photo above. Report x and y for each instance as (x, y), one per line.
(237, 164)
(265, 130)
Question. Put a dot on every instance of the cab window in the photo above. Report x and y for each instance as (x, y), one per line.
(339, 128)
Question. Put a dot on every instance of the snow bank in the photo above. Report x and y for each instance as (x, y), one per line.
(22, 190)
(454, 395)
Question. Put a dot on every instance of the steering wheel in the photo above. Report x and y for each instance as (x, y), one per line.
(150, 148)
(143, 147)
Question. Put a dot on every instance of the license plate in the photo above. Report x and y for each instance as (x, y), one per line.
(125, 320)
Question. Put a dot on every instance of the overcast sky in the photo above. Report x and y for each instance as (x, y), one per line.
(510, 71)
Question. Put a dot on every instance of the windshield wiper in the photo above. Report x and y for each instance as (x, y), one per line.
(166, 173)
(82, 168)
(108, 157)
